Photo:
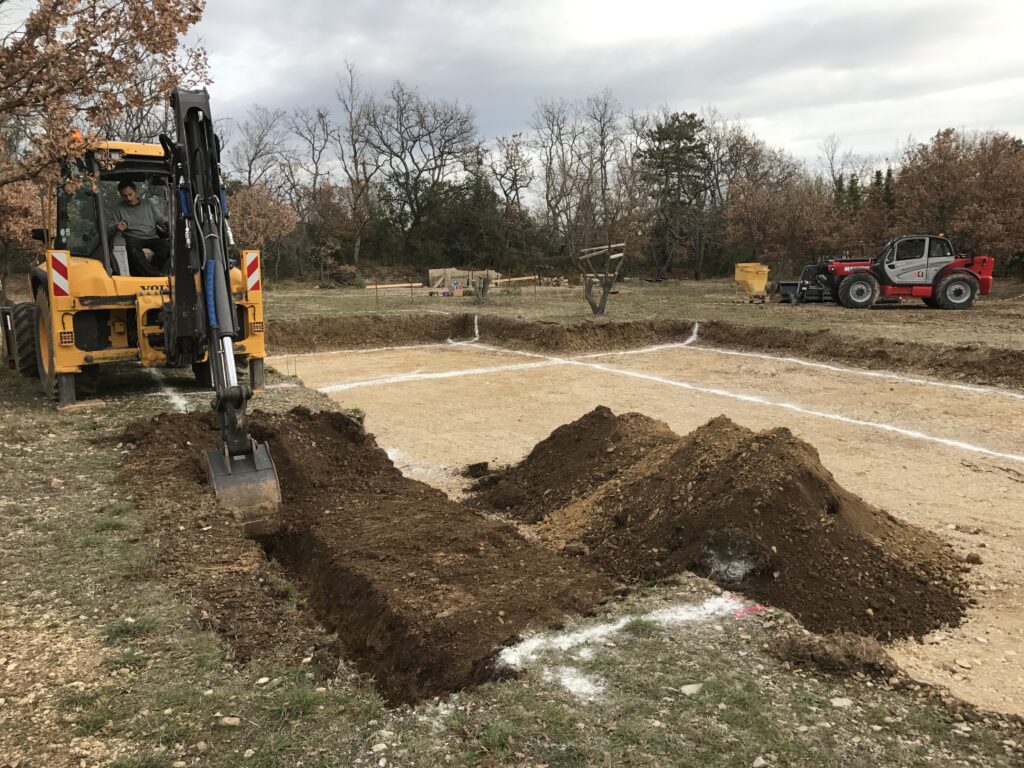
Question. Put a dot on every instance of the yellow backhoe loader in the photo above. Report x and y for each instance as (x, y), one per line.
(205, 311)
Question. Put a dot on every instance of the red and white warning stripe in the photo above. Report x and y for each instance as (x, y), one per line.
(252, 270)
(59, 272)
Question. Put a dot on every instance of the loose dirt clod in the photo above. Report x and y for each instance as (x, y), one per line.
(422, 591)
(755, 512)
(843, 652)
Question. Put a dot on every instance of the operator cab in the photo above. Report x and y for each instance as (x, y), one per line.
(86, 209)
(914, 259)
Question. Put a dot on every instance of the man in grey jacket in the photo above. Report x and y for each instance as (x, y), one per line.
(140, 222)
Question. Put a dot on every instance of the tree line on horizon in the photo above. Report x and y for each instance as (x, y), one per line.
(398, 180)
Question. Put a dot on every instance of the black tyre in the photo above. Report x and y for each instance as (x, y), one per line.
(24, 319)
(257, 374)
(858, 291)
(931, 302)
(956, 292)
(59, 386)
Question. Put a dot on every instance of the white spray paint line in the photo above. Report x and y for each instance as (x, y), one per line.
(547, 360)
(644, 350)
(911, 433)
(582, 686)
(889, 375)
(516, 656)
(439, 375)
(476, 334)
(177, 401)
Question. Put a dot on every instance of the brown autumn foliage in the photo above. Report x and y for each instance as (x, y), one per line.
(19, 213)
(77, 64)
(257, 218)
(968, 185)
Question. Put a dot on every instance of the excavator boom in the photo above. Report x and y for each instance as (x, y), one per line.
(203, 315)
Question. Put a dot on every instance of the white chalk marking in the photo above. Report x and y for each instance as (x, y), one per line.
(889, 375)
(416, 376)
(476, 334)
(518, 655)
(911, 433)
(177, 401)
(582, 686)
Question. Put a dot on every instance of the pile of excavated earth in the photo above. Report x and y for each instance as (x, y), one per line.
(755, 512)
(422, 591)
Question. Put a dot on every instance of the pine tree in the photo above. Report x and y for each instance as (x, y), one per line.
(887, 194)
(854, 197)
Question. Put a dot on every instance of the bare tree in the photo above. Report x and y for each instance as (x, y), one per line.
(420, 142)
(513, 172)
(256, 158)
(603, 115)
(359, 162)
(559, 140)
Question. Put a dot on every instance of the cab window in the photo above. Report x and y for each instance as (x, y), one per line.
(940, 249)
(77, 231)
(910, 249)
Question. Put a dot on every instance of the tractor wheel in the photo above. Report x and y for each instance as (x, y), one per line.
(956, 292)
(24, 316)
(858, 291)
(59, 386)
(257, 374)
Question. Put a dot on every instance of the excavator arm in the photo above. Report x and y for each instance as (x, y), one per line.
(201, 317)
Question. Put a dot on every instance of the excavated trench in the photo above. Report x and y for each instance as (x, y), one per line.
(964, 362)
(421, 591)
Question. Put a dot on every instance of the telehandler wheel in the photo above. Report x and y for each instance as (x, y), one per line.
(956, 292)
(24, 317)
(59, 386)
(858, 291)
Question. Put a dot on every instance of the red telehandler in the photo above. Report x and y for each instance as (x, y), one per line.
(912, 266)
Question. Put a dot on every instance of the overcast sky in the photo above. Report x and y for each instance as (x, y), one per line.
(872, 72)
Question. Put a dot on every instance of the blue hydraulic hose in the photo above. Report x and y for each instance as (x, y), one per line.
(211, 304)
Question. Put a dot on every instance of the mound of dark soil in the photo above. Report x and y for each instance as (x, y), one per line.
(421, 590)
(756, 512)
(574, 461)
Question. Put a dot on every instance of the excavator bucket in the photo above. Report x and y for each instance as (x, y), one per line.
(248, 486)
